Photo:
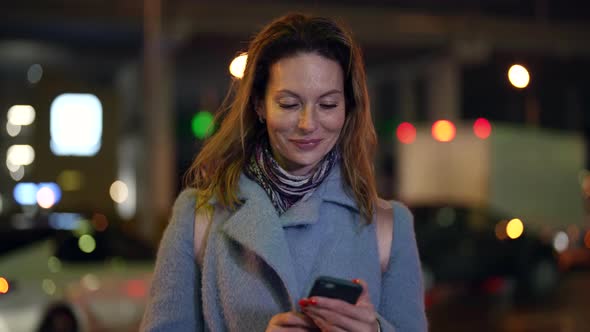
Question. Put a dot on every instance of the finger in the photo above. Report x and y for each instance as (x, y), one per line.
(290, 319)
(364, 312)
(365, 296)
(322, 323)
(333, 321)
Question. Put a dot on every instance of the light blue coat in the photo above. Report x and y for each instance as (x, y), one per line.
(258, 264)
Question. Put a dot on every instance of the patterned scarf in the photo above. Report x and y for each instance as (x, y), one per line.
(285, 189)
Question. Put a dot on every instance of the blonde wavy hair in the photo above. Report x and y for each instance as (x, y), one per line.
(216, 169)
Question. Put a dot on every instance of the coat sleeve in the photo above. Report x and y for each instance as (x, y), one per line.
(402, 291)
(174, 302)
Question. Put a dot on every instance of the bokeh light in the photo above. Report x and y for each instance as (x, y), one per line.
(238, 65)
(18, 174)
(21, 115)
(13, 130)
(91, 282)
(45, 197)
(561, 241)
(500, 230)
(75, 125)
(136, 288)
(70, 180)
(4, 286)
(11, 167)
(54, 264)
(1, 203)
(406, 133)
(202, 124)
(519, 76)
(87, 243)
(35, 73)
(48, 286)
(25, 193)
(514, 228)
(119, 191)
(443, 131)
(100, 222)
(482, 128)
(20, 154)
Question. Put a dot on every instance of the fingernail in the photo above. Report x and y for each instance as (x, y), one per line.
(303, 302)
(356, 281)
(313, 301)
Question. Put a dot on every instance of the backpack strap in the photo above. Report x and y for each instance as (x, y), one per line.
(384, 230)
(202, 226)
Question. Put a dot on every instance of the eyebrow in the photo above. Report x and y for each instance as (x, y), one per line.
(334, 91)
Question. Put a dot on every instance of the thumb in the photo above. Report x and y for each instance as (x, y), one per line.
(364, 298)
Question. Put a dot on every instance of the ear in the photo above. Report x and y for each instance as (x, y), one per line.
(260, 109)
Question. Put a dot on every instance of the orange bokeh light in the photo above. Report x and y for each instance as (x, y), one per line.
(4, 286)
(482, 128)
(406, 133)
(443, 131)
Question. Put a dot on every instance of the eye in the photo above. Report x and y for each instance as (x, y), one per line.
(328, 105)
(288, 106)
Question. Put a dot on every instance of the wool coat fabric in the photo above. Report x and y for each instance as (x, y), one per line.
(257, 264)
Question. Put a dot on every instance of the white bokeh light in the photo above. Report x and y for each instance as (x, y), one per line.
(519, 76)
(21, 115)
(119, 191)
(238, 65)
(19, 174)
(12, 130)
(561, 241)
(20, 154)
(45, 197)
(76, 125)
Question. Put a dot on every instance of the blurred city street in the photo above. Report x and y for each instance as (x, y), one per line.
(481, 110)
(566, 311)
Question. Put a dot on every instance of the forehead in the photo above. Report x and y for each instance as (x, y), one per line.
(305, 73)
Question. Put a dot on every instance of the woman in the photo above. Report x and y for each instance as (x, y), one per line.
(284, 192)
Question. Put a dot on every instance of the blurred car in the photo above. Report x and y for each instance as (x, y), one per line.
(70, 276)
(472, 248)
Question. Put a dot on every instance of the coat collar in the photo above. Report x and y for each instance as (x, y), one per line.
(257, 226)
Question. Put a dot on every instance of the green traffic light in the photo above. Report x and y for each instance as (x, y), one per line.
(202, 124)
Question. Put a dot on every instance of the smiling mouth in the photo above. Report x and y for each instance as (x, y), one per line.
(306, 144)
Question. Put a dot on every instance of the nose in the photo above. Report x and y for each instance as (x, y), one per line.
(307, 122)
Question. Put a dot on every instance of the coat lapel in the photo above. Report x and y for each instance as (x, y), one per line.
(256, 226)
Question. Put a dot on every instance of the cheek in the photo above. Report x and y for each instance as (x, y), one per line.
(335, 123)
(279, 125)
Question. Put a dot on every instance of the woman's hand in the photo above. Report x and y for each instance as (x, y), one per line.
(337, 315)
(291, 322)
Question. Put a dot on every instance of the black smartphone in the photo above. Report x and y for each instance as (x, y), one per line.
(336, 288)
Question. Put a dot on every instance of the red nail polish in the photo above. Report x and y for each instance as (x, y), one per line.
(356, 281)
(303, 302)
(313, 301)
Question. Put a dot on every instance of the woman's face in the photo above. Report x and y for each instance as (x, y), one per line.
(304, 110)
